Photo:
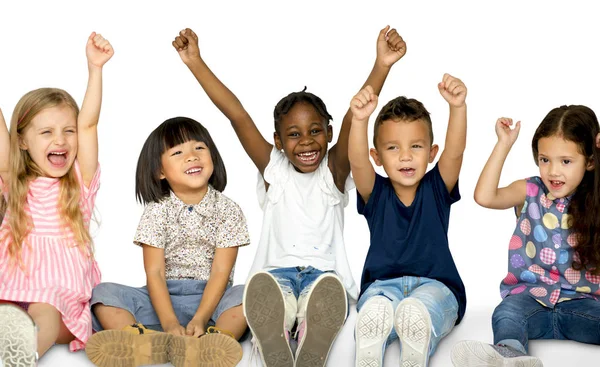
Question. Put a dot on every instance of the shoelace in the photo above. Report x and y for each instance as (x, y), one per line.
(254, 356)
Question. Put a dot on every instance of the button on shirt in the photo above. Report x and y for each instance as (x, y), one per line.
(542, 250)
(190, 234)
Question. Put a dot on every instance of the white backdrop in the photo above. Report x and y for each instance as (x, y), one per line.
(518, 59)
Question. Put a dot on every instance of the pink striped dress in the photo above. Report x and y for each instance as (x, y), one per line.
(56, 270)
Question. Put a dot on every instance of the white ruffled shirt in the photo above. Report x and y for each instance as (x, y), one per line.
(303, 221)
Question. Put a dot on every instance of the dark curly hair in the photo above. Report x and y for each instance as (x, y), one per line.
(286, 103)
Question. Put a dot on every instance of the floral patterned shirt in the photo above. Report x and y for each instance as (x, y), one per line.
(542, 251)
(190, 234)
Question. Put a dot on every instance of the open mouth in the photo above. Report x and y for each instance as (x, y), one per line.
(308, 158)
(58, 159)
(556, 184)
(193, 171)
(407, 171)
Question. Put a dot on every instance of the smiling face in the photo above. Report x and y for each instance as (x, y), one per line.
(51, 140)
(187, 168)
(562, 165)
(404, 149)
(303, 135)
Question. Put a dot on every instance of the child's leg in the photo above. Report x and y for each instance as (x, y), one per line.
(322, 311)
(113, 306)
(579, 320)
(374, 329)
(270, 306)
(51, 329)
(519, 318)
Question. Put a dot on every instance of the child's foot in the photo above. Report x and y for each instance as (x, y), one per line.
(264, 308)
(472, 353)
(413, 326)
(131, 347)
(326, 310)
(213, 349)
(18, 337)
(374, 324)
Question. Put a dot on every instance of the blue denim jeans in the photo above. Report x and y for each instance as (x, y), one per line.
(296, 280)
(437, 298)
(520, 318)
(185, 298)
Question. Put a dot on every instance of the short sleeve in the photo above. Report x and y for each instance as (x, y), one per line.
(91, 190)
(233, 230)
(152, 229)
(440, 189)
(276, 174)
(368, 208)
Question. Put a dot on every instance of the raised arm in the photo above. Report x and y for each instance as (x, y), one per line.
(98, 52)
(255, 145)
(390, 48)
(454, 92)
(361, 107)
(4, 148)
(487, 192)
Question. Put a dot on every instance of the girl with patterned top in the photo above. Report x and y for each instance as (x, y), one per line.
(552, 289)
(49, 176)
(190, 233)
(300, 275)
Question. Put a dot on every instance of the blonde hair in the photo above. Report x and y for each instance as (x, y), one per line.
(23, 170)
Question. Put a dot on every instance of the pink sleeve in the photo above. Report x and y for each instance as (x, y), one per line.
(88, 194)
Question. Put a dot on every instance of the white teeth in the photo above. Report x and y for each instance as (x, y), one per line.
(307, 154)
(193, 170)
(58, 153)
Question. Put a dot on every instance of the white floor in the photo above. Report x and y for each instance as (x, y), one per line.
(476, 326)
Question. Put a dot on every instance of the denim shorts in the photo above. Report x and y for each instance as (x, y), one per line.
(185, 298)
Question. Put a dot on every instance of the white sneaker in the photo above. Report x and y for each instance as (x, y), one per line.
(374, 324)
(478, 354)
(326, 306)
(413, 326)
(18, 337)
(264, 309)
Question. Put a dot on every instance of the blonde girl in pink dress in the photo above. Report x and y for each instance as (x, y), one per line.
(49, 176)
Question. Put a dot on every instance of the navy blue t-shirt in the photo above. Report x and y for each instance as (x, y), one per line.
(413, 240)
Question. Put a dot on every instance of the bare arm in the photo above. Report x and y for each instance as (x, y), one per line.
(154, 264)
(487, 192)
(4, 148)
(454, 92)
(98, 52)
(390, 48)
(255, 145)
(215, 288)
(362, 106)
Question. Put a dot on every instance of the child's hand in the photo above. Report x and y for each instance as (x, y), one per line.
(98, 50)
(390, 46)
(174, 329)
(195, 328)
(186, 45)
(506, 135)
(453, 90)
(363, 104)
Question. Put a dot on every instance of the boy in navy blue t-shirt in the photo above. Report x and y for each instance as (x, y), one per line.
(410, 286)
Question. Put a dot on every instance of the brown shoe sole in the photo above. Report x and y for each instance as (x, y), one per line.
(118, 348)
(210, 350)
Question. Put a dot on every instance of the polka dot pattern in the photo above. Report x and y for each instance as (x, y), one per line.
(541, 252)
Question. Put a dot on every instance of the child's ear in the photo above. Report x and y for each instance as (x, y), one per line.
(590, 164)
(433, 152)
(329, 133)
(277, 140)
(375, 156)
(22, 143)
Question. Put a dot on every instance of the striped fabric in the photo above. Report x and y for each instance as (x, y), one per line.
(55, 270)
